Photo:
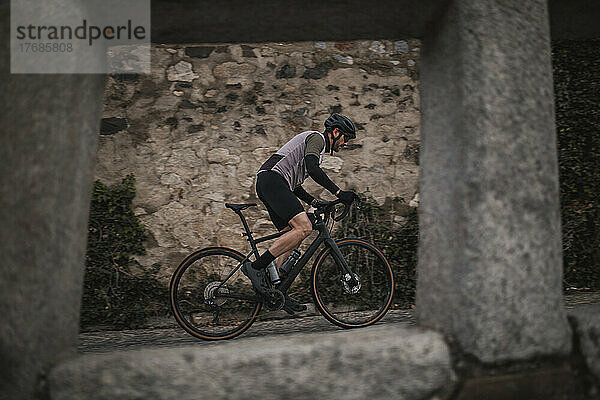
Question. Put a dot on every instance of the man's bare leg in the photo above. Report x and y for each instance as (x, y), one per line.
(283, 246)
(281, 259)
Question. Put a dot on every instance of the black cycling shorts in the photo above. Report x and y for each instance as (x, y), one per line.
(282, 204)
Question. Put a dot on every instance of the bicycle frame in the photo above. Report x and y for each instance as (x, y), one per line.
(323, 237)
(195, 301)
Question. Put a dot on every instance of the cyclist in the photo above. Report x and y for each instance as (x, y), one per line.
(279, 186)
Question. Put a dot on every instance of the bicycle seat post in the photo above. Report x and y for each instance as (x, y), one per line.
(237, 208)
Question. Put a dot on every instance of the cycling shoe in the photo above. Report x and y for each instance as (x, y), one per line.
(292, 305)
(258, 277)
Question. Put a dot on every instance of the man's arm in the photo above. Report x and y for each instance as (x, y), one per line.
(318, 175)
(303, 195)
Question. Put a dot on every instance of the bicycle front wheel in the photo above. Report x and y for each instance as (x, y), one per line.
(204, 304)
(358, 302)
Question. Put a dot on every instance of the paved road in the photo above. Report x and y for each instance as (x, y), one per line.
(104, 341)
(168, 333)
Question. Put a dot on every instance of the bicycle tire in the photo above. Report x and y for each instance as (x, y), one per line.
(194, 285)
(353, 306)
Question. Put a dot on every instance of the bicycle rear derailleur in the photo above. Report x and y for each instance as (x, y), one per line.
(273, 299)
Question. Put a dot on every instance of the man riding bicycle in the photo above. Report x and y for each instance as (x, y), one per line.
(279, 186)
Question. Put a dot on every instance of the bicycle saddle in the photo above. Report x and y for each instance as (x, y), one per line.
(239, 207)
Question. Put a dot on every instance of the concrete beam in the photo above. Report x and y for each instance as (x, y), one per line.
(382, 362)
(189, 21)
(49, 127)
(490, 259)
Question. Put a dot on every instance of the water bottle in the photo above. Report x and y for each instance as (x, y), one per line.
(289, 263)
(273, 273)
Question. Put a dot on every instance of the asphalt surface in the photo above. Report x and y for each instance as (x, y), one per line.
(166, 333)
(173, 336)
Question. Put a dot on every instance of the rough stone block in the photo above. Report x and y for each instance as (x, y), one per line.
(199, 51)
(376, 363)
(232, 70)
(110, 126)
(182, 71)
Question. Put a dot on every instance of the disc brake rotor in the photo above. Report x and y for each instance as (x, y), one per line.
(346, 282)
(211, 294)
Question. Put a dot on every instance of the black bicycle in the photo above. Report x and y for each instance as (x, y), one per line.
(352, 283)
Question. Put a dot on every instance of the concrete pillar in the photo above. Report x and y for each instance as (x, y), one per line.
(49, 125)
(490, 263)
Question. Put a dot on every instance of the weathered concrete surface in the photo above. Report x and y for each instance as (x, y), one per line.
(212, 21)
(586, 323)
(375, 363)
(490, 263)
(276, 21)
(49, 126)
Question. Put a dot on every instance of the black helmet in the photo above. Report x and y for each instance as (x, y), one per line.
(339, 121)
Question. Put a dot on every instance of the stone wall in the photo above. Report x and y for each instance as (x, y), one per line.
(195, 131)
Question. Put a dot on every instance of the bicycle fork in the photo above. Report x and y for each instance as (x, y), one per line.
(347, 275)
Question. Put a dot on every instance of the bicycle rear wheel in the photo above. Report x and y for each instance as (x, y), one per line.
(348, 304)
(203, 305)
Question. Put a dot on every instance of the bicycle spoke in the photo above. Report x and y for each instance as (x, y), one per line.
(341, 301)
(211, 298)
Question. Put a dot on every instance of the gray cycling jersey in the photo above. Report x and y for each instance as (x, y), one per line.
(289, 160)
